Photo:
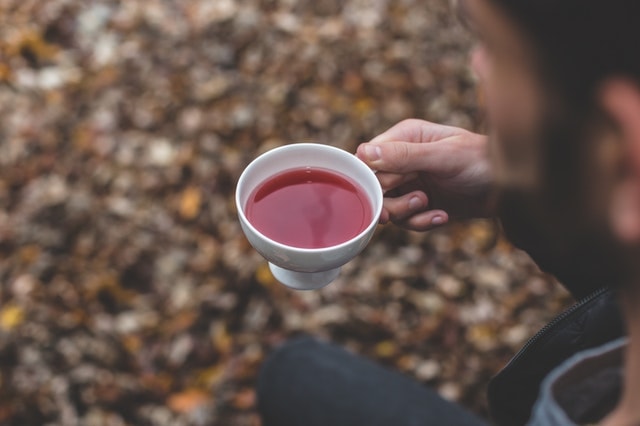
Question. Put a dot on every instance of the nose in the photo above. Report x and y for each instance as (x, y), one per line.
(479, 62)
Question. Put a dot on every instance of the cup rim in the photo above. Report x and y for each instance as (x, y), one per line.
(375, 216)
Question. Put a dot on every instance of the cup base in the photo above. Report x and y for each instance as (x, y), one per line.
(303, 280)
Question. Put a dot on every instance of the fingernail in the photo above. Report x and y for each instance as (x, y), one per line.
(438, 220)
(372, 152)
(414, 203)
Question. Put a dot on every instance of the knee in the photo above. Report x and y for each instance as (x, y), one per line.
(282, 374)
(285, 361)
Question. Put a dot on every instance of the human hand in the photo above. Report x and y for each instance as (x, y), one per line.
(429, 173)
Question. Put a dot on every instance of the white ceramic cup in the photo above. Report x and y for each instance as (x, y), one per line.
(301, 268)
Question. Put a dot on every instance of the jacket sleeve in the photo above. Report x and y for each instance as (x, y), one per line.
(513, 391)
(589, 272)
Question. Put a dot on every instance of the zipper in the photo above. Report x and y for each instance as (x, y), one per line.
(559, 318)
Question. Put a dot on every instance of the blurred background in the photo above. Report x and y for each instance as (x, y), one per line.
(128, 294)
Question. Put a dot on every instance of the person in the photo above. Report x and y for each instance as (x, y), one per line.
(562, 85)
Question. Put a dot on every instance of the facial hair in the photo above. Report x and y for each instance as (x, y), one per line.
(552, 214)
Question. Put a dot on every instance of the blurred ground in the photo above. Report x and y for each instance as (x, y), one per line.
(128, 294)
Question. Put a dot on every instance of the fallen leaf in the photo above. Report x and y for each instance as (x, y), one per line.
(29, 254)
(180, 322)
(264, 275)
(245, 399)
(190, 202)
(188, 400)
(132, 343)
(482, 336)
(210, 376)
(33, 41)
(157, 382)
(386, 349)
(11, 316)
(222, 341)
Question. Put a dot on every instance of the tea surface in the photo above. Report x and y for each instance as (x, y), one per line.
(309, 208)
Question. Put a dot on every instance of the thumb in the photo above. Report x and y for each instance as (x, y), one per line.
(404, 157)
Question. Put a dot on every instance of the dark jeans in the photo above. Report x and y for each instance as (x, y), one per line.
(310, 383)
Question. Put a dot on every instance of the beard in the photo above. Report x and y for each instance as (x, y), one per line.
(553, 203)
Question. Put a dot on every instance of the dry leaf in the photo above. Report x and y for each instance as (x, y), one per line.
(132, 343)
(190, 202)
(210, 376)
(264, 275)
(180, 322)
(11, 316)
(482, 336)
(386, 349)
(363, 106)
(157, 382)
(29, 254)
(31, 40)
(245, 399)
(188, 400)
(222, 340)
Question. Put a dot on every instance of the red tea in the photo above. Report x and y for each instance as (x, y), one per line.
(309, 208)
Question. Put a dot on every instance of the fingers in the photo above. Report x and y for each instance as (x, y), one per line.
(417, 131)
(389, 181)
(402, 207)
(406, 157)
(406, 130)
(410, 212)
(417, 145)
(425, 221)
(412, 147)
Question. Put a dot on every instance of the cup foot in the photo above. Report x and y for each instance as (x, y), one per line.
(303, 280)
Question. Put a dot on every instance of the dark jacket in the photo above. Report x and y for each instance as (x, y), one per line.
(594, 320)
(584, 389)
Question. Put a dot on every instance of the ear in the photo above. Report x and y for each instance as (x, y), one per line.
(620, 99)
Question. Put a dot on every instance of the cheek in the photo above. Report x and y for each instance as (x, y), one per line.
(514, 123)
(513, 103)
(507, 87)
